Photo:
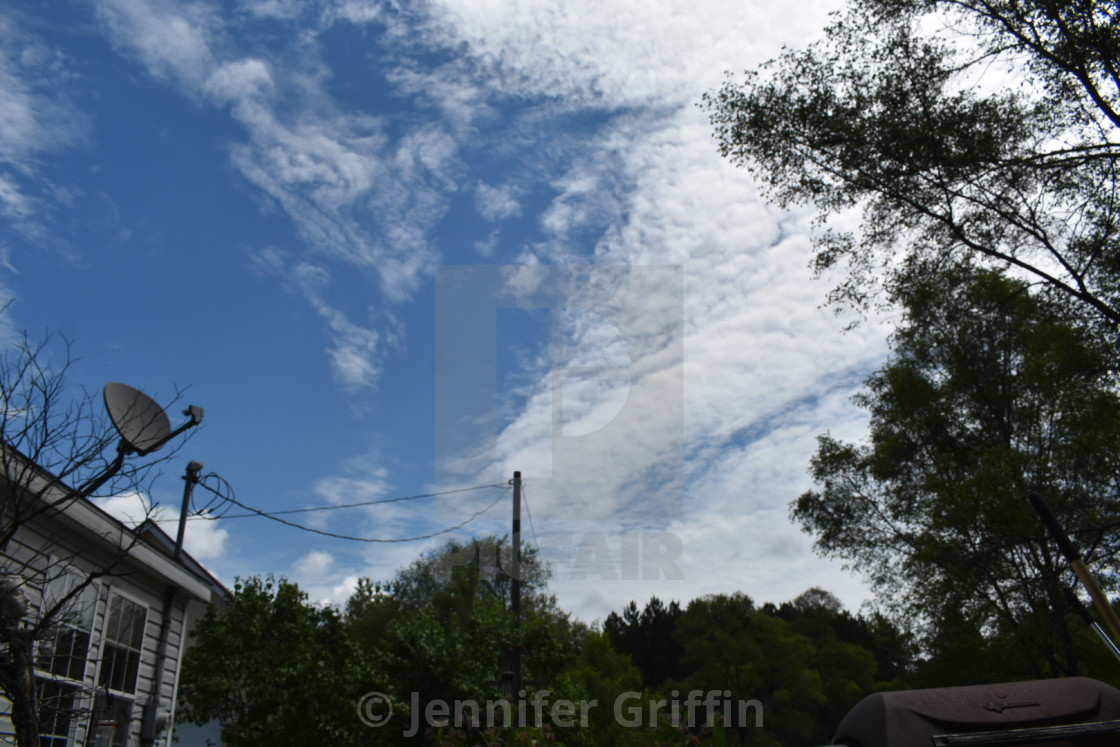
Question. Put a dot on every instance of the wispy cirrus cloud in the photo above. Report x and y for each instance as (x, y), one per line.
(592, 104)
(36, 118)
(764, 368)
(354, 351)
(358, 197)
(497, 203)
(615, 55)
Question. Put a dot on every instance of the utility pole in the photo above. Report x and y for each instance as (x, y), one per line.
(190, 480)
(515, 592)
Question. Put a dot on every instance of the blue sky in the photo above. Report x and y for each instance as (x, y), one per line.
(399, 249)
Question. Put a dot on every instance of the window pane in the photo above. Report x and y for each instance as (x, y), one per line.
(65, 656)
(124, 640)
(57, 712)
(132, 667)
(65, 650)
(78, 610)
(113, 623)
(136, 632)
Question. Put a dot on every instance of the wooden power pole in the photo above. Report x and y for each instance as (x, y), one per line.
(515, 594)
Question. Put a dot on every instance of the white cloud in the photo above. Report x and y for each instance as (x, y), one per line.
(35, 118)
(354, 196)
(364, 480)
(313, 565)
(353, 11)
(496, 203)
(763, 369)
(354, 351)
(171, 39)
(335, 173)
(240, 80)
(16, 206)
(614, 53)
(204, 539)
(278, 9)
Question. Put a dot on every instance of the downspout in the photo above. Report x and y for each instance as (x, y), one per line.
(156, 718)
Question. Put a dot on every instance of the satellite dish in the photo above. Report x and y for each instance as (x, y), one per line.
(142, 423)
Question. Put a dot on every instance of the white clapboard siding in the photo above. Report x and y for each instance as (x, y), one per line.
(84, 540)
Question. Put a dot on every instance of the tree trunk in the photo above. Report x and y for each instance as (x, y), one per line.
(17, 681)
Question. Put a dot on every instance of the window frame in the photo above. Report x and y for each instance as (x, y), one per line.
(67, 684)
(104, 681)
(68, 718)
(93, 594)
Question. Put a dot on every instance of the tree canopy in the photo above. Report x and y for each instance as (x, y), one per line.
(279, 670)
(990, 392)
(986, 129)
(275, 669)
(647, 637)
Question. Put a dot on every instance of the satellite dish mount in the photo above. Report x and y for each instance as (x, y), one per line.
(142, 424)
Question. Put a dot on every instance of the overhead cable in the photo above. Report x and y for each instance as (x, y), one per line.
(274, 517)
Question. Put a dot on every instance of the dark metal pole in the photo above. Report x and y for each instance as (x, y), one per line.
(1077, 563)
(190, 480)
(515, 595)
(1084, 613)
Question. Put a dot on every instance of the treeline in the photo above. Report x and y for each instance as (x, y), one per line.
(806, 662)
(426, 658)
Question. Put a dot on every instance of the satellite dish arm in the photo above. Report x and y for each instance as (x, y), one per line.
(87, 490)
(123, 450)
(194, 411)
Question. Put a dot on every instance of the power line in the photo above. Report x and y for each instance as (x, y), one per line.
(273, 515)
(360, 504)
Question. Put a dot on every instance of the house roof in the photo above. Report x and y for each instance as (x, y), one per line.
(153, 533)
(146, 547)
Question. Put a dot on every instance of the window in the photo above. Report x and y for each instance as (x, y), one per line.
(58, 707)
(61, 657)
(124, 640)
(64, 653)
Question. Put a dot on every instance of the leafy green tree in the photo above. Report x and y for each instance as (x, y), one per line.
(369, 612)
(602, 674)
(731, 646)
(807, 662)
(853, 655)
(647, 637)
(821, 617)
(986, 129)
(275, 669)
(990, 392)
(443, 627)
(720, 651)
(417, 583)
